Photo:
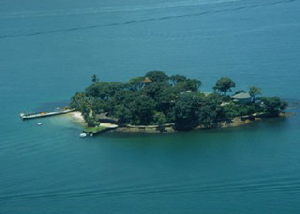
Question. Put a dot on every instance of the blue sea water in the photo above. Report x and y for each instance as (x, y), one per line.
(49, 50)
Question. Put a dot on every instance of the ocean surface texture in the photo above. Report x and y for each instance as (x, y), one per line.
(50, 49)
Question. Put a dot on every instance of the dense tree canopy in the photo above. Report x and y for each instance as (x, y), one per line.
(175, 79)
(157, 98)
(273, 105)
(224, 85)
(186, 111)
(157, 76)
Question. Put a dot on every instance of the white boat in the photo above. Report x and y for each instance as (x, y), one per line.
(82, 135)
(39, 124)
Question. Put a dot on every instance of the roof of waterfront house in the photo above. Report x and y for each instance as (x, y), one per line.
(241, 95)
(147, 80)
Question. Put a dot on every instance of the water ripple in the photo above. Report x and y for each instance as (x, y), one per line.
(143, 20)
(287, 185)
(126, 8)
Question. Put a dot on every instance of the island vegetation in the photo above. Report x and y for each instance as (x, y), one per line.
(159, 99)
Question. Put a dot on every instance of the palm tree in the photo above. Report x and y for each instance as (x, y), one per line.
(94, 78)
(254, 91)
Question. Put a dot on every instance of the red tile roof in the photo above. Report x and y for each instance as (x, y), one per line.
(147, 80)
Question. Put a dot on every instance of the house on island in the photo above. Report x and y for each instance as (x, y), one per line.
(147, 80)
(242, 97)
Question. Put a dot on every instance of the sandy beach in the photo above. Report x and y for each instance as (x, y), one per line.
(77, 116)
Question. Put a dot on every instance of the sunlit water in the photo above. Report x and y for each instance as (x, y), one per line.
(49, 50)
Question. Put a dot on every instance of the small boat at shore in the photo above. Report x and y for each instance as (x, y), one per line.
(82, 135)
(25, 116)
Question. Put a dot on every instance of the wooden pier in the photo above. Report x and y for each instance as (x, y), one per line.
(25, 116)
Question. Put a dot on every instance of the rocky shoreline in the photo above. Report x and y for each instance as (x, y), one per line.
(170, 127)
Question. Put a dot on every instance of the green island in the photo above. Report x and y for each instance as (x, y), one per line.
(157, 102)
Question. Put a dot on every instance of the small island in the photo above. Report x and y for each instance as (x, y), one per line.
(157, 102)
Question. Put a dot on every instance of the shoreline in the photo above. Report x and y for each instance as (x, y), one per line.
(77, 117)
(169, 128)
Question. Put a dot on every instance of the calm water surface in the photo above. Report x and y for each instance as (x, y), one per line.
(49, 50)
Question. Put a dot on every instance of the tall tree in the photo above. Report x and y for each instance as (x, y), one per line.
(175, 79)
(80, 102)
(104, 90)
(155, 89)
(157, 76)
(186, 117)
(143, 108)
(224, 85)
(124, 114)
(94, 78)
(254, 91)
(210, 110)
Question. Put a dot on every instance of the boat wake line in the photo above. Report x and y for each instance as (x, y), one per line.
(114, 9)
(144, 20)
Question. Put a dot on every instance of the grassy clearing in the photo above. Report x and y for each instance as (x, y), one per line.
(94, 129)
